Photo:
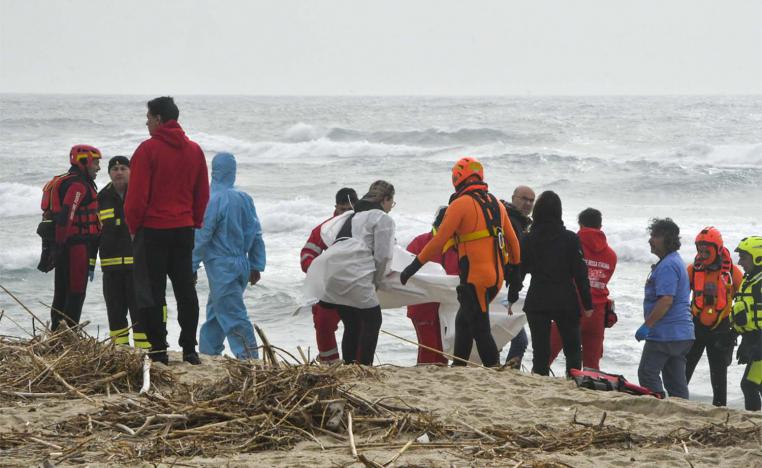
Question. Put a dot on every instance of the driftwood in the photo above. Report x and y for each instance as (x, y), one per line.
(70, 363)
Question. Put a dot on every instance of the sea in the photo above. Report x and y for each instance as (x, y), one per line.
(695, 159)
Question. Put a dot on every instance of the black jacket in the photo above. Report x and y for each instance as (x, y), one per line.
(115, 246)
(519, 221)
(553, 256)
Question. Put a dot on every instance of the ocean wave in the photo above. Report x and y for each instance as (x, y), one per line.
(299, 215)
(302, 132)
(745, 155)
(20, 258)
(302, 150)
(19, 199)
(46, 122)
(427, 137)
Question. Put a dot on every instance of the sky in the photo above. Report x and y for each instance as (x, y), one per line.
(389, 47)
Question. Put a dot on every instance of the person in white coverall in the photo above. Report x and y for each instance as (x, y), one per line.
(361, 256)
(230, 245)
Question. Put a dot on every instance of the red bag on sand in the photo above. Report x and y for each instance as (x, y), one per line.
(597, 380)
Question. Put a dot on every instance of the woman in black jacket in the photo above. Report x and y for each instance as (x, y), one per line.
(553, 256)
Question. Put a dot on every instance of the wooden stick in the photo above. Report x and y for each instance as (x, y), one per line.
(487, 436)
(301, 353)
(2, 315)
(107, 380)
(59, 378)
(33, 395)
(449, 356)
(47, 444)
(146, 375)
(394, 458)
(351, 435)
(266, 347)
(23, 306)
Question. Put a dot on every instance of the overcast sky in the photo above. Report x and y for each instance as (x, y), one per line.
(286, 47)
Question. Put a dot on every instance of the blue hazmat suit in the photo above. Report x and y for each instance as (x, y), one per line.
(230, 245)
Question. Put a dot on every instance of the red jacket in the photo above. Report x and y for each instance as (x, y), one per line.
(450, 257)
(313, 247)
(430, 310)
(78, 219)
(169, 182)
(600, 260)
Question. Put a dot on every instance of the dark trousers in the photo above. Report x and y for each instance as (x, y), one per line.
(119, 293)
(361, 328)
(519, 345)
(719, 353)
(568, 327)
(70, 285)
(160, 253)
(472, 324)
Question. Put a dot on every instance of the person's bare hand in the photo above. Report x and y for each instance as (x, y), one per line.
(589, 313)
(254, 277)
(510, 309)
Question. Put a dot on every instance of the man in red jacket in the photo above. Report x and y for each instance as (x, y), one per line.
(425, 317)
(169, 191)
(326, 320)
(601, 262)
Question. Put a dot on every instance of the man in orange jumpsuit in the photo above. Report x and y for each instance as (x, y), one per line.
(478, 225)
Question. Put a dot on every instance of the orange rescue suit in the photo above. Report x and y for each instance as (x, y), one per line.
(477, 258)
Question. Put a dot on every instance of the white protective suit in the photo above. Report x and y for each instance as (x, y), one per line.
(333, 277)
(353, 267)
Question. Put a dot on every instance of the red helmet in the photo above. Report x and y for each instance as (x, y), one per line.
(465, 168)
(710, 236)
(83, 155)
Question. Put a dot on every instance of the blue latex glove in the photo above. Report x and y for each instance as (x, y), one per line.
(642, 332)
(91, 274)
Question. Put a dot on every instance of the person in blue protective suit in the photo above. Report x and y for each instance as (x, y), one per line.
(230, 245)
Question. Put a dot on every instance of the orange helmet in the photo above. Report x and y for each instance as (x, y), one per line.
(465, 168)
(710, 236)
(83, 155)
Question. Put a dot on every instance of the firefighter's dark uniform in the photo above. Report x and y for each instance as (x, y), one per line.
(115, 250)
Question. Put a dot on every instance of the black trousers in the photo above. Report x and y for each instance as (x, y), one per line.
(568, 327)
(471, 324)
(158, 254)
(70, 285)
(361, 328)
(119, 293)
(719, 352)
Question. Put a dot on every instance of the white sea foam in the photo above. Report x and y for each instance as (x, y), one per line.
(19, 199)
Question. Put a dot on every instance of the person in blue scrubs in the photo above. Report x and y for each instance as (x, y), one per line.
(230, 245)
(668, 325)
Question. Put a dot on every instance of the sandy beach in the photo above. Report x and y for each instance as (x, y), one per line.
(477, 416)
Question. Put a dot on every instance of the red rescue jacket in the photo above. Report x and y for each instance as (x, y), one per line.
(449, 260)
(600, 260)
(313, 247)
(77, 222)
(169, 182)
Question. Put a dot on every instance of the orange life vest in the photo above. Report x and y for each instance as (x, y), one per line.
(712, 290)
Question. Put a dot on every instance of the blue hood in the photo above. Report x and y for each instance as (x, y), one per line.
(223, 171)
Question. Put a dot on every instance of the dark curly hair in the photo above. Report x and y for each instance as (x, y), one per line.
(668, 229)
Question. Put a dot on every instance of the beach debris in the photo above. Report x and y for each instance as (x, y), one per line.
(267, 405)
(69, 363)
